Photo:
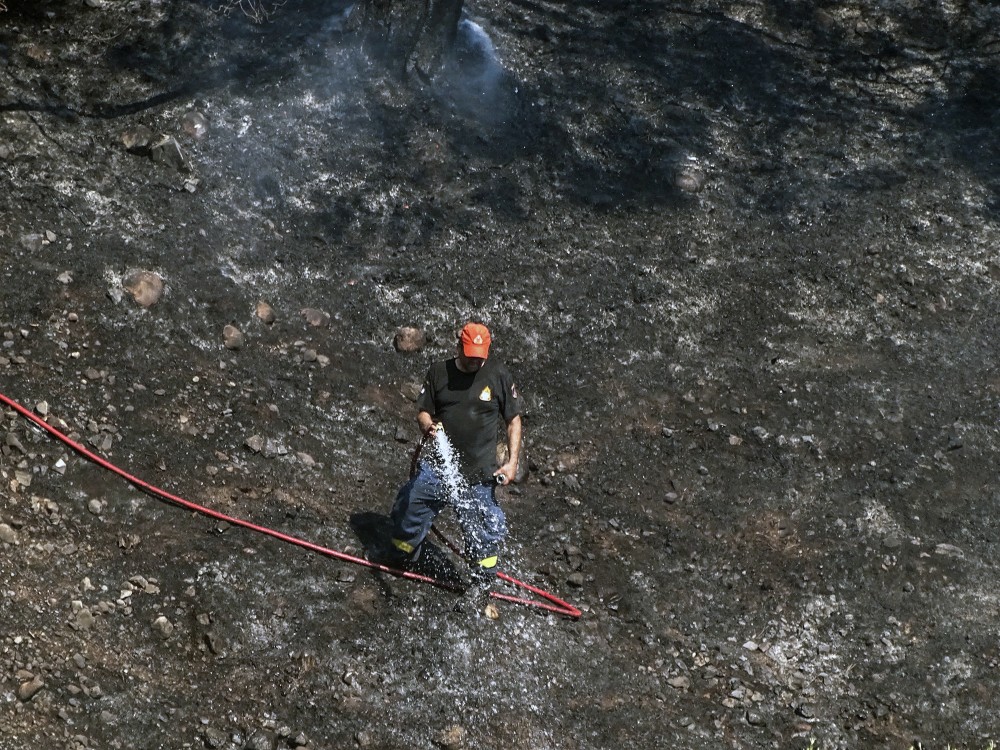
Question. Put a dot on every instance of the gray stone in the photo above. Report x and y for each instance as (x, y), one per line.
(138, 139)
(215, 737)
(163, 627)
(949, 550)
(28, 690)
(232, 337)
(32, 242)
(84, 619)
(7, 534)
(689, 179)
(168, 152)
(316, 318)
(451, 738)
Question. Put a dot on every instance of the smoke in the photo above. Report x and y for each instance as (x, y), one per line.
(474, 78)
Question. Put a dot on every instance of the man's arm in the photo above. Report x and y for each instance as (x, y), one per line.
(509, 469)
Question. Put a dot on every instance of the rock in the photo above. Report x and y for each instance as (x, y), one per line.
(689, 179)
(949, 550)
(265, 313)
(95, 506)
(214, 642)
(679, 682)
(273, 449)
(409, 340)
(38, 53)
(575, 580)
(260, 741)
(452, 738)
(146, 287)
(232, 337)
(410, 391)
(195, 124)
(316, 318)
(84, 619)
(32, 242)
(402, 435)
(163, 627)
(65, 278)
(168, 152)
(28, 690)
(7, 534)
(255, 443)
(138, 139)
(806, 711)
(215, 737)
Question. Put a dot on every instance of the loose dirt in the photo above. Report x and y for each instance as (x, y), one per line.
(741, 257)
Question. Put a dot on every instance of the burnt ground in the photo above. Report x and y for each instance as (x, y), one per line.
(741, 256)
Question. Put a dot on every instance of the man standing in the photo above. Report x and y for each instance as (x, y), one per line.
(465, 397)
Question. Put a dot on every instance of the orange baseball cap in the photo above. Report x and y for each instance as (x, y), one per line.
(475, 339)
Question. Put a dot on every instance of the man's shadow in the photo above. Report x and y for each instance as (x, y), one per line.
(374, 532)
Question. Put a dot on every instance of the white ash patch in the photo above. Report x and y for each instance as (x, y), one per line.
(877, 521)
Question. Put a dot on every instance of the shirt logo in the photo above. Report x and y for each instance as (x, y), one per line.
(513, 391)
(486, 395)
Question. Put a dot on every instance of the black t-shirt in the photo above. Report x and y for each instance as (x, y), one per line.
(469, 406)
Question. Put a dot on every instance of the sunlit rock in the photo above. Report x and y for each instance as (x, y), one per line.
(138, 139)
(265, 313)
(146, 287)
(409, 340)
(195, 124)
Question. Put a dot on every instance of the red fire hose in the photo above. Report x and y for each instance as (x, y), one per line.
(551, 603)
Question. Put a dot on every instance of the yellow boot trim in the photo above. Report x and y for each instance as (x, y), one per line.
(408, 548)
(489, 562)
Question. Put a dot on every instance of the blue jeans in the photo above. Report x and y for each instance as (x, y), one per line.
(420, 500)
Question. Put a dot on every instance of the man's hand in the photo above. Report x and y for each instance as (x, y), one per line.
(506, 473)
(427, 424)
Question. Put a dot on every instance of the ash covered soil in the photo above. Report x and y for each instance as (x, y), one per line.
(741, 257)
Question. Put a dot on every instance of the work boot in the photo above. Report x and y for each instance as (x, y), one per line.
(477, 593)
(402, 560)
